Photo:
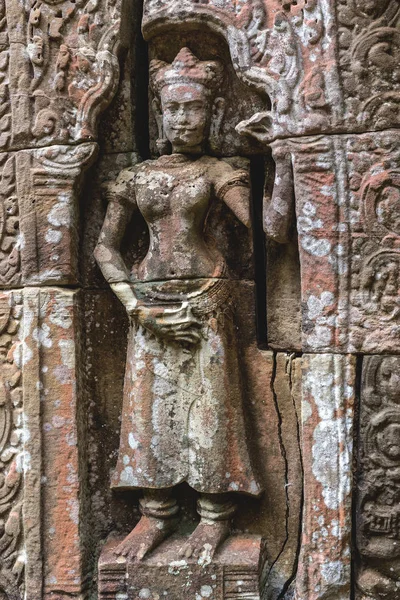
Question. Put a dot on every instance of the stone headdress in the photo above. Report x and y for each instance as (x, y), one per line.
(186, 68)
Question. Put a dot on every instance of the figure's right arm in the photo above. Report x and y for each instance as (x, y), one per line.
(120, 195)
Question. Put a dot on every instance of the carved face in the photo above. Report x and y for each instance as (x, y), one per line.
(388, 209)
(389, 441)
(185, 116)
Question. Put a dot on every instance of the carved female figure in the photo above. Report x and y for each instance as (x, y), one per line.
(183, 414)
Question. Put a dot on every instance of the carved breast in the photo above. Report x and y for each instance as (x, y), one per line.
(182, 191)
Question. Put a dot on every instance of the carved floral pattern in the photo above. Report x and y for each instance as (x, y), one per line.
(369, 47)
(11, 561)
(63, 70)
(9, 223)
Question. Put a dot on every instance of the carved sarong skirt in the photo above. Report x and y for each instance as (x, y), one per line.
(183, 409)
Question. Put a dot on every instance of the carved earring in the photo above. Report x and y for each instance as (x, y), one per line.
(217, 116)
(163, 145)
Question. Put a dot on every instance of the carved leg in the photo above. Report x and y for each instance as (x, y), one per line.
(216, 511)
(159, 509)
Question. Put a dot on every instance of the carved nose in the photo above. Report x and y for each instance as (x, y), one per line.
(181, 116)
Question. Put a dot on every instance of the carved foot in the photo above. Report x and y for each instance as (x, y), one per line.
(205, 540)
(145, 537)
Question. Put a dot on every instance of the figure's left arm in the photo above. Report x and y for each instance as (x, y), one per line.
(233, 187)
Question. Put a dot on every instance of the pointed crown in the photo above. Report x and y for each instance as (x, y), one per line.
(186, 68)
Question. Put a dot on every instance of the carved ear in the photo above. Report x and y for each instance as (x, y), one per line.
(218, 111)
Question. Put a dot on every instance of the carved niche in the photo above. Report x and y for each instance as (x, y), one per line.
(182, 364)
(283, 49)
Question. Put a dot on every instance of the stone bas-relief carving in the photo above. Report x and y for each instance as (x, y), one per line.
(315, 94)
(183, 413)
(58, 70)
(378, 500)
(369, 45)
(12, 565)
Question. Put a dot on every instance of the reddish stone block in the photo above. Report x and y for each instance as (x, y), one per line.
(54, 486)
(235, 572)
(328, 394)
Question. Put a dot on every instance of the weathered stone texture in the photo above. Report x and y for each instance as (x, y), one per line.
(59, 70)
(346, 205)
(310, 89)
(378, 499)
(43, 482)
(277, 517)
(328, 395)
(234, 573)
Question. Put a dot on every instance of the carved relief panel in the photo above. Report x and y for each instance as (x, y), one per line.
(378, 500)
(185, 306)
(254, 437)
(58, 70)
(282, 49)
(346, 190)
(369, 47)
(11, 450)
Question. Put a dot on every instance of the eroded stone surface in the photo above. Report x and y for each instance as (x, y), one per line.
(41, 471)
(347, 190)
(328, 393)
(378, 498)
(303, 84)
(234, 572)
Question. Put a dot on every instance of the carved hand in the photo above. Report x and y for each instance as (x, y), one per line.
(175, 324)
(124, 292)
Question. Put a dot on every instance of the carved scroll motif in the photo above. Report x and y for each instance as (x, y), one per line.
(369, 46)
(9, 223)
(61, 72)
(11, 455)
(84, 74)
(374, 180)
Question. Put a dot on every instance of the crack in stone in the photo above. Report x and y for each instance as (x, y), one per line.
(284, 456)
(289, 371)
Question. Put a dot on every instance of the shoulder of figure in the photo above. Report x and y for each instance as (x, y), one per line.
(228, 164)
(230, 172)
(121, 189)
(128, 175)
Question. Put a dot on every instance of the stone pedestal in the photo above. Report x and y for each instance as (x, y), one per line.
(235, 572)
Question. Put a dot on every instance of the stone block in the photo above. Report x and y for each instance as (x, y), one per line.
(347, 208)
(328, 394)
(234, 573)
(42, 470)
